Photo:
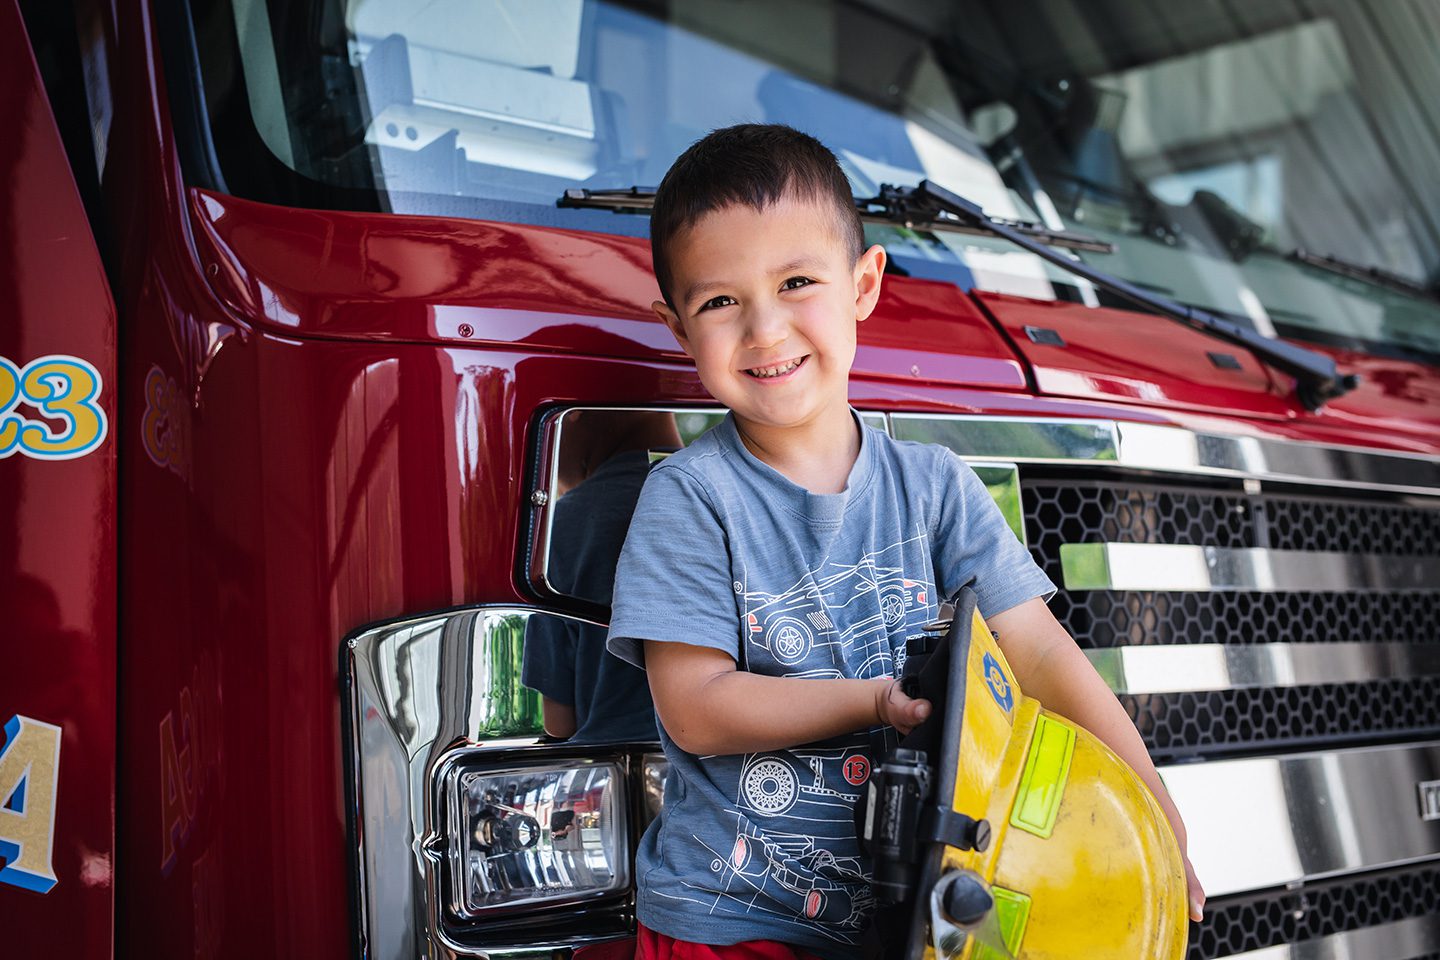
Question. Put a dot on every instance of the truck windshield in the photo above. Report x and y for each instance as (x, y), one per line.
(1236, 155)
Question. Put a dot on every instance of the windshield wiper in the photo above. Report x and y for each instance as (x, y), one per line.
(641, 199)
(619, 199)
(1371, 275)
(1316, 378)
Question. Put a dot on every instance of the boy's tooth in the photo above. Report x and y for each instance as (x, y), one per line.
(767, 372)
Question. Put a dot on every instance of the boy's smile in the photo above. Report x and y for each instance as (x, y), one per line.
(766, 303)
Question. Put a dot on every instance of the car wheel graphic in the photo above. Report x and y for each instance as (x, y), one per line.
(789, 640)
(769, 786)
(892, 608)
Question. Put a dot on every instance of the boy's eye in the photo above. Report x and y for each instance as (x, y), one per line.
(795, 283)
(714, 302)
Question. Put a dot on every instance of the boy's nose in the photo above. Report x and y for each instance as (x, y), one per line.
(765, 328)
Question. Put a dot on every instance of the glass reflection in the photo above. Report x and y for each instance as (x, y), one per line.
(1218, 147)
(589, 696)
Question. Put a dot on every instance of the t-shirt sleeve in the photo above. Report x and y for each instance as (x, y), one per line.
(548, 661)
(973, 541)
(673, 581)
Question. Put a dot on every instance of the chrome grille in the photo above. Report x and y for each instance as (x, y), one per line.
(1269, 614)
(1186, 724)
(1260, 622)
(1061, 512)
(1105, 618)
(1318, 910)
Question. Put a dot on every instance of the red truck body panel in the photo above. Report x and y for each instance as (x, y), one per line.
(57, 540)
(326, 422)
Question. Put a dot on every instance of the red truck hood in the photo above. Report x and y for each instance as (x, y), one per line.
(342, 275)
(1078, 351)
(384, 277)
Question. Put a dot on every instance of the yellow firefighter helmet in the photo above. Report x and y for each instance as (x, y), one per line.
(1051, 846)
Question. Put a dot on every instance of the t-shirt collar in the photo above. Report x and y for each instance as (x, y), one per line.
(815, 507)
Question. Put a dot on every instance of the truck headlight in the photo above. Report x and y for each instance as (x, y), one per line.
(549, 834)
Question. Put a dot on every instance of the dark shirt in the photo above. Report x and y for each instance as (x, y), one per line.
(566, 661)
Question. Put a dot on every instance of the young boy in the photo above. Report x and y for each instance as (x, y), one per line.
(775, 567)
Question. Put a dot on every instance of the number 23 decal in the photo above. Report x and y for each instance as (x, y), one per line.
(61, 388)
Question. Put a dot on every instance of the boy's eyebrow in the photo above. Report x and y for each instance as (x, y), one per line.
(704, 286)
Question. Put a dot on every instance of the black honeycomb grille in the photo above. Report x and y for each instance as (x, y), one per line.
(1094, 513)
(1316, 910)
(1175, 725)
(1104, 618)
(1082, 512)
(1337, 526)
(1178, 724)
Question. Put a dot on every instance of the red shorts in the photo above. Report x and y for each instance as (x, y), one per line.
(650, 945)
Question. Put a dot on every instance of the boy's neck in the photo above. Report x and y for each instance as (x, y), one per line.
(817, 455)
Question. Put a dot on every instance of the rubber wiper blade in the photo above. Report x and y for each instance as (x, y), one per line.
(642, 199)
(883, 209)
(619, 199)
(1371, 275)
(1317, 379)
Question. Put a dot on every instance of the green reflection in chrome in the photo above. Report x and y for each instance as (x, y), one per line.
(1110, 664)
(876, 420)
(1085, 566)
(1011, 439)
(692, 423)
(505, 707)
(1003, 482)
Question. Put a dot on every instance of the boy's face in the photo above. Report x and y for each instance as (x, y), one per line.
(766, 303)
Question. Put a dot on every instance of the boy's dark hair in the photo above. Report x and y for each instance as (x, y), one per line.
(755, 164)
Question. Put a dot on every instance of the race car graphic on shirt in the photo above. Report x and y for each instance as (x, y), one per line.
(794, 871)
(874, 598)
(793, 855)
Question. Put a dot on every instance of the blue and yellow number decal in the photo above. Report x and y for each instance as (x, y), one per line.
(65, 389)
(29, 772)
(9, 395)
(60, 388)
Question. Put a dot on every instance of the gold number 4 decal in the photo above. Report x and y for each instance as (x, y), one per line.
(64, 389)
(29, 766)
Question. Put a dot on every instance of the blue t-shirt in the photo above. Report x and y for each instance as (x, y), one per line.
(725, 552)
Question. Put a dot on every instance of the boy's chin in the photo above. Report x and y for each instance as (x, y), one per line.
(791, 416)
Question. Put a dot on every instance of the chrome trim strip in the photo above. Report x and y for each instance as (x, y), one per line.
(547, 492)
(1181, 668)
(1399, 940)
(1270, 821)
(690, 420)
(1168, 566)
(1064, 441)
(1149, 446)
(420, 693)
(1021, 439)
(1143, 446)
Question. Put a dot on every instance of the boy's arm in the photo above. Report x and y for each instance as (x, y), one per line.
(557, 718)
(1051, 668)
(708, 707)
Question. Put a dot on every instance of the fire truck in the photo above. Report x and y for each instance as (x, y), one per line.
(328, 377)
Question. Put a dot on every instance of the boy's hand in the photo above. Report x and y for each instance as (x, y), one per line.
(896, 709)
(1192, 882)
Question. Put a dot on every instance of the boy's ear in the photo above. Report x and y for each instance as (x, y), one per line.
(669, 318)
(869, 272)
